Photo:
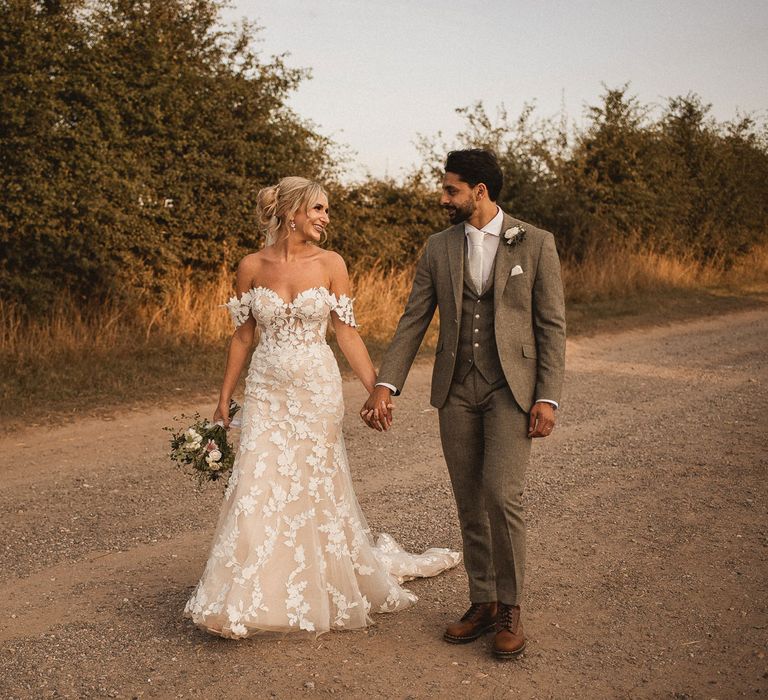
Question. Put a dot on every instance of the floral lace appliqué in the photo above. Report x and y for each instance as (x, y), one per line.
(292, 550)
(239, 309)
(343, 308)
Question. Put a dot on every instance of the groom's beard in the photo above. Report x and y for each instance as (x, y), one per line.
(458, 214)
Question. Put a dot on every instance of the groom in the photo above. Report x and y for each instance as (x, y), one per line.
(496, 381)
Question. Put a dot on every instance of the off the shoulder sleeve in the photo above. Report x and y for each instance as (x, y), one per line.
(239, 309)
(342, 305)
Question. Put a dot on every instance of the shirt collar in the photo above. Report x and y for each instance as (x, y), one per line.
(493, 226)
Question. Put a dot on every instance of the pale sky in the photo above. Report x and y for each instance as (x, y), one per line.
(386, 71)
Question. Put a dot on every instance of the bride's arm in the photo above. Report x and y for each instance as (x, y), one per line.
(350, 342)
(240, 345)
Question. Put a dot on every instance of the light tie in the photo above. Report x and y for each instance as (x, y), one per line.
(475, 256)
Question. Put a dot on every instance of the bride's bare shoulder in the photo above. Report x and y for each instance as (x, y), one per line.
(251, 261)
(332, 260)
(336, 271)
(248, 270)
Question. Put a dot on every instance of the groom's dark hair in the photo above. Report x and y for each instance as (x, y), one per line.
(474, 165)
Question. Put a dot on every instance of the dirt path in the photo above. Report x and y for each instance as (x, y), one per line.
(648, 546)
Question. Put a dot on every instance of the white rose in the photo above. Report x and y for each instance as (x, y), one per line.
(213, 466)
(191, 435)
(510, 233)
(213, 456)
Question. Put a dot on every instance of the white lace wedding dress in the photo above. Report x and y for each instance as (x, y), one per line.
(292, 550)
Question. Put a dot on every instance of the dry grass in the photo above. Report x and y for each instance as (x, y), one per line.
(110, 354)
(628, 273)
(188, 313)
(380, 297)
(192, 313)
(750, 272)
(617, 273)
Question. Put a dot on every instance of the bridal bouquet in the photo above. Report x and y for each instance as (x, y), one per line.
(204, 447)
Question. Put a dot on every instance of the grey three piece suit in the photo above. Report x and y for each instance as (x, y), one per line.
(499, 350)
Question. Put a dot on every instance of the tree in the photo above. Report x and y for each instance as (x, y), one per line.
(679, 181)
(135, 135)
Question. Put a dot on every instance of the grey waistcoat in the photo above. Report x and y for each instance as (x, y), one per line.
(477, 339)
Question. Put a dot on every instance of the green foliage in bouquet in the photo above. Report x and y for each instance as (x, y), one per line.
(203, 447)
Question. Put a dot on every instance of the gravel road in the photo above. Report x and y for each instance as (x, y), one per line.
(647, 550)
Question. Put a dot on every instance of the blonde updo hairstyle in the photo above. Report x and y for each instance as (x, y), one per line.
(276, 205)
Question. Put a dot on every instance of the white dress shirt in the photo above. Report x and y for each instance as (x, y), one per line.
(492, 231)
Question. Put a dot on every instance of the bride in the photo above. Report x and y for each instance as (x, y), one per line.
(292, 550)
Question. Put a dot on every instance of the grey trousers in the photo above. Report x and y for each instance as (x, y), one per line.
(485, 441)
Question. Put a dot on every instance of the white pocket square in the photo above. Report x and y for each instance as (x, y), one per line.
(516, 270)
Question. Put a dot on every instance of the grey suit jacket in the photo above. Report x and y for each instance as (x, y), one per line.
(529, 315)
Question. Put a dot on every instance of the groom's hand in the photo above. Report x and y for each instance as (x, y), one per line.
(377, 410)
(542, 420)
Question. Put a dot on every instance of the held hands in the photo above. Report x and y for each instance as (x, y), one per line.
(542, 420)
(377, 414)
(377, 410)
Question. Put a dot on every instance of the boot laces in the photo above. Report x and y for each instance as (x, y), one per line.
(507, 617)
(474, 611)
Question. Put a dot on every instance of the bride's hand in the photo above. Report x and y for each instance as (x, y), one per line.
(221, 414)
(377, 410)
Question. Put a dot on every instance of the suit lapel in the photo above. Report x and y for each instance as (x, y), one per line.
(503, 264)
(455, 243)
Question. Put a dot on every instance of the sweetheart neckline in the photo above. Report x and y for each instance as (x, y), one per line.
(296, 296)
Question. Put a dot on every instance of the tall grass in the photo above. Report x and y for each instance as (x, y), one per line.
(188, 313)
(610, 273)
(623, 272)
(380, 297)
(193, 313)
(106, 354)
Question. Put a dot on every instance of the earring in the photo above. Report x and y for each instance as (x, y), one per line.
(292, 224)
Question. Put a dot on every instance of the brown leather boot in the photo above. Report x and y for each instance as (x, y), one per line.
(479, 619)
(510, 639)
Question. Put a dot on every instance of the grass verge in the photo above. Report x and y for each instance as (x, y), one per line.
(78, 362)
